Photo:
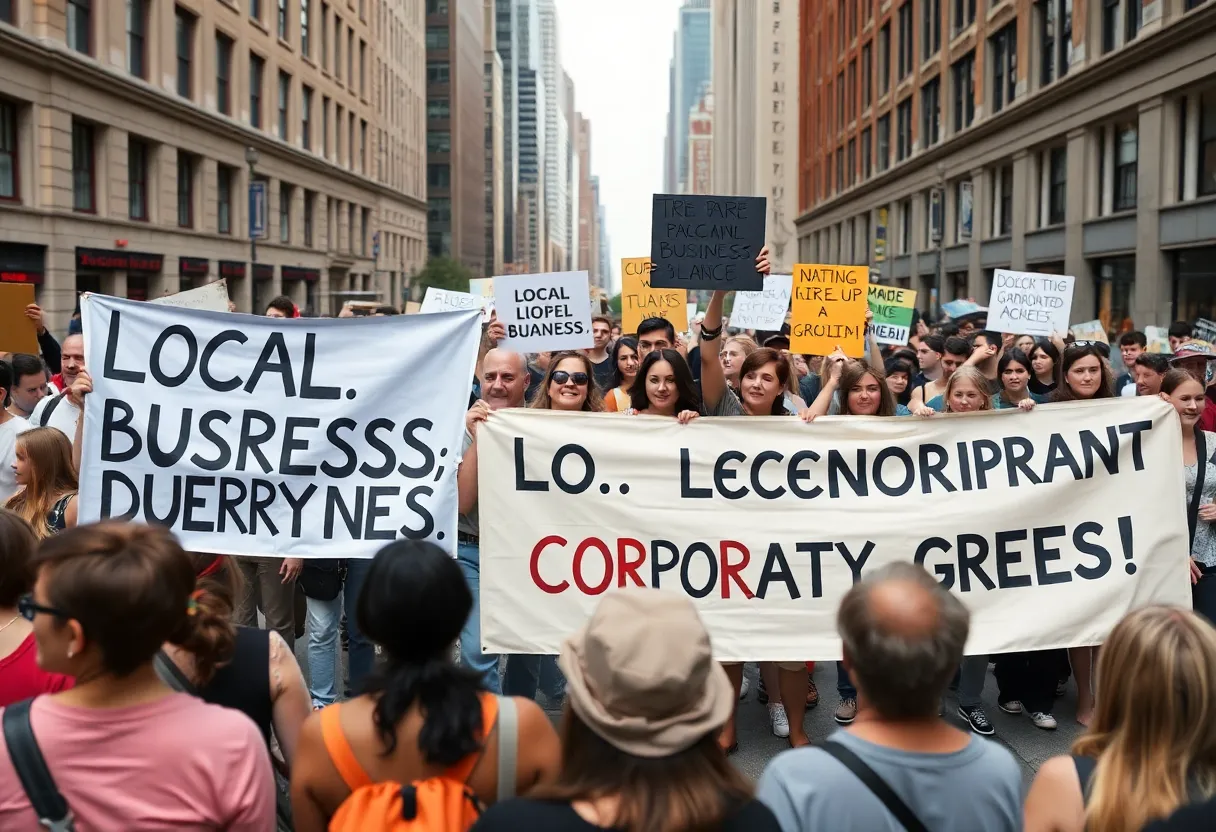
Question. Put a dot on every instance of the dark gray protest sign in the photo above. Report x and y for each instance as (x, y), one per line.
(706, 242)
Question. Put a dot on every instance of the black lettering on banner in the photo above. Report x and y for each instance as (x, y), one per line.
(1058, 455)
(252, 442)
(943, 571)
(204, 366)
(159, 457)
(933, 469)
(411, 440)
(307, 389)
(987, 458)
(297, 505)
(110, 478)
(110, 425)
(964, 465)
(687, 491)
(1108, 453)
(796, 474)
(262, 498)
(154, 366)
(1018, 451)
(838, 469)
(777, 568)
(1094, 550)
(657, 565)
(192, 502)
(175, 505)
(291, 444)
(375, 510)
(522, 483)
(588, 469)
(331, 433)
(699, 549)
(722, 474)
(352, 518)
(969, 564)
(275, 345)
(1044, 554)
(109, 370)
(909, 470)
(225, 452)
(229, 505)
(428, 522)
(816, 552)
(1006, 558)
(379, 472)
(762, 491)
(1135, 429)
(856, 563)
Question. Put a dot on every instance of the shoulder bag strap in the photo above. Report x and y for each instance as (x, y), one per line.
(50, 408)
(52, 810)
(508, 747)
(1201, 467)
(875, 784)
(1085, 771)
(171, 674)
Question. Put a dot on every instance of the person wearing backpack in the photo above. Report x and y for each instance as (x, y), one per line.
(424, 748)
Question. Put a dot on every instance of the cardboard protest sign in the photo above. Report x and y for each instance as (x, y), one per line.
(17, 332)
(639, 300)
(1158, 339)
(706, 242)
(829, 309)
(1029, 303)
(263, 436)
(1204, 329)
(1090, 331)
(893, 308)
(765, 525)
(212, 296)
(544, 312)
(764, 310)
(445, 300)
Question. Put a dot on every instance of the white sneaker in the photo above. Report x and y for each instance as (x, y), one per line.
(744, 688)
(1013, 706)
(781, 722)
(1045, 721)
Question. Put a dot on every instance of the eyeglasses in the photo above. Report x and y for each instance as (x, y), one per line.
(28, 608)
(1100, 346)
(580, 379)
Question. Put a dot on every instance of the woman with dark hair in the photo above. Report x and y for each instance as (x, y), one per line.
(20, 676)
(44, 468)
(1084, 374)
(1044, 361)
(899, 371)
(1015, 372)
(624, 371)
(569, 384)
(421, 715)
(664, 387)
(865, 391)
(126, 751)
(638, 734)
(282, 307)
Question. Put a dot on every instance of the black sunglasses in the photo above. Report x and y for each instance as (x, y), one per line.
(561, 377)
(28, 608)
(1100, 346)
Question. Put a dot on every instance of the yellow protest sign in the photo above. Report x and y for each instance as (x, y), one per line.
(829, 309)
(639, 301)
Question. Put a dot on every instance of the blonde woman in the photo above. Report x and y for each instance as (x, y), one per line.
(966, 392)
(44, 469)
(1151, 749)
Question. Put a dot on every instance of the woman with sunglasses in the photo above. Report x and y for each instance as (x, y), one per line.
(126, 751)
(44, 470)
(624, 372)
(664, 387)
(20, 676)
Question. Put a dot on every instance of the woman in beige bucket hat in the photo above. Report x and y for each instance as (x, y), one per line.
(639, 742)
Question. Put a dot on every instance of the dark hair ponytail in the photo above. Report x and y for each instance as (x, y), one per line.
(413, 604)
(208, 633)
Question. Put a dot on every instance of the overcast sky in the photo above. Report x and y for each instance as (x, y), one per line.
(617, 52)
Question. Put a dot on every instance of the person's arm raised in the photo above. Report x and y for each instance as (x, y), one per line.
(80, 388)
(713, 380)
(875, 354)
(823, 402)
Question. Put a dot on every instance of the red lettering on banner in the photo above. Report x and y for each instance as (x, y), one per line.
(583, 586)
(730, 571)
(534, 565)
(625, 567)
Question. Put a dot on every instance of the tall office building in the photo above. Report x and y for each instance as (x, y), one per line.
(755, 124)
(942, 141)
(532, 240)
(587, 221)
(507, 33)
(701, 146)
(669, 136)
(495, 173)
(690, 73)
(573, 173)
(556, 133)
(611, 276)
(456, 127)
(127, 129)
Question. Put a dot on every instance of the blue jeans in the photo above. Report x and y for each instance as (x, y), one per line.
(468, 556)
(844, 685)
(323, 619)
(525, 675)
(361, 654)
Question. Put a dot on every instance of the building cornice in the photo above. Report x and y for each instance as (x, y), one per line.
(54, 57)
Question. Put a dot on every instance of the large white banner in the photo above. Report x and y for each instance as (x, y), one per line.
(1050, 525)
(269, 436)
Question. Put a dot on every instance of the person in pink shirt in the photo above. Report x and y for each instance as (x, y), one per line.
(124, 750)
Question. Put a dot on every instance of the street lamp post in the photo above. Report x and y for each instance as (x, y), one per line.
(251, 159)
(941, 236)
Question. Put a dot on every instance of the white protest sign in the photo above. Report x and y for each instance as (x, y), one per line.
(765, 522)
(764, 310)
(445, 300)
(1029, 303)
(544, 312)
(275, 437)
(213, 296)
(692, 312)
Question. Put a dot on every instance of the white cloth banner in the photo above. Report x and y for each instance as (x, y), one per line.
(265, 436)
(764, 310)
(765, 522)
(213, 296)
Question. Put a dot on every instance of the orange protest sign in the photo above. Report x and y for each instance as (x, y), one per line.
(17, 333)
(639, 301)
(829, 309)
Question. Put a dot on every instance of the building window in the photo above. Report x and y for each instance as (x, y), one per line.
(438, 176)
(350, 58)
(9, 189)
(306, 116)
(438, 141)
(903, 129)
(1057, 184)
(80, 25)
(1126, 150)
(83, 167)
(285, 194)
(1003, 199)
(257, 66)
(884, 59)
(6, 11)
(1133, 18)
(185, 189)
(437, 72)
(255, 9)
(440, 108)
(223, 189)
(1004, 45)
(964, 14)
(436, 37)
(284, 97)
(851, 163)
(282, 19)
(964, 91)
(839, 183)
(905, 40)
(436, 6)
(362, 69)
(305, 19)
(365, 222)
(325, 126)
(137, 179)
(905, 226)
(931, 32)
(223, 74)
(851, 92)
(1207, 144)
(866, 163)
(930, 112)
(137, 38)
(867, 77)
(310, 199)
(325, 36)
(840, 100)
(185, 51)
(362, 144)
(1055, 39)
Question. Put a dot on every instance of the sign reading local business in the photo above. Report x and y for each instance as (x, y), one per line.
(544, 312)
(706, 242)
(1029, 303)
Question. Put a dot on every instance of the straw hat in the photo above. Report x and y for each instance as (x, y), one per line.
(641, 674)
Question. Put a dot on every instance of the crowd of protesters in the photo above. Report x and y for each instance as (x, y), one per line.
(157, 702)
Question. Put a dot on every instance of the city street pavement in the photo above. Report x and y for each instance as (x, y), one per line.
(1031, 746)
